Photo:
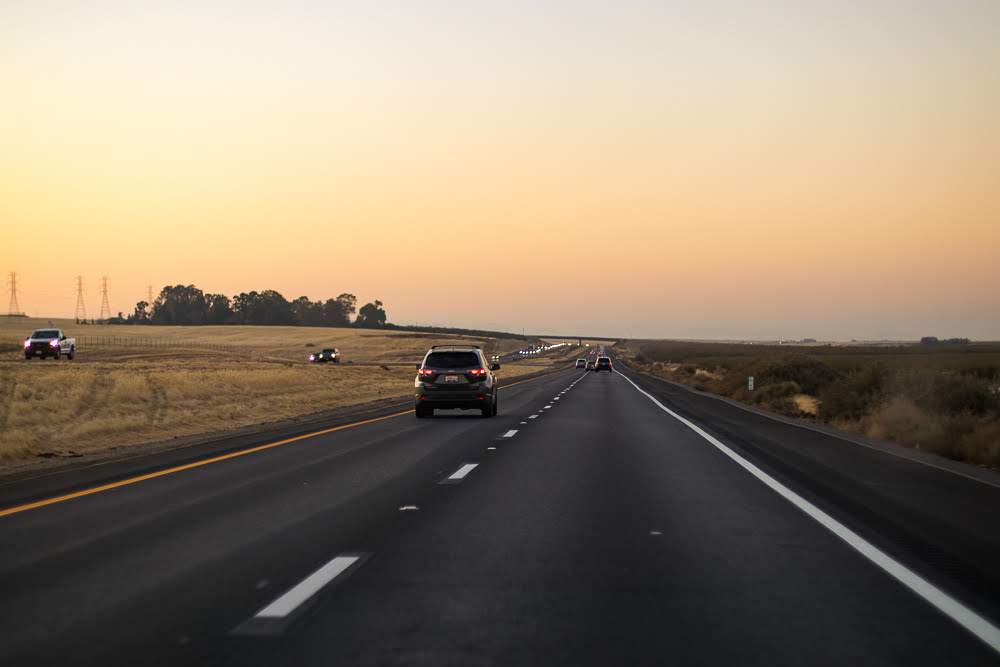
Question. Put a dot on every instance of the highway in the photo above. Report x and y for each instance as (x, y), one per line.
(600, 519)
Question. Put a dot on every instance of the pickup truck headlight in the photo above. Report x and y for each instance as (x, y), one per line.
(53, 343)
(27, 343)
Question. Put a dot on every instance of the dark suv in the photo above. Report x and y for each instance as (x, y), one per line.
(454, 376)
(603, 364)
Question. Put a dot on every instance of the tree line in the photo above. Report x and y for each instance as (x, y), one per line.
(186, 304)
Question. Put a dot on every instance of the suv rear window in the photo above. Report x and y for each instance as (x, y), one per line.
(452, 360)
(604, 360)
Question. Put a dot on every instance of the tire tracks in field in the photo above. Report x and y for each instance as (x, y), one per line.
(157, 409)
(95, 397)
(8, 384)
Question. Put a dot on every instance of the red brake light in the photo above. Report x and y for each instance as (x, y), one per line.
(425, 372)
(479, 372)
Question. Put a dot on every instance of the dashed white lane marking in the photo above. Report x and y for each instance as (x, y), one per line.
(510, 434)
(524, 422)
(308, 587)
(459, 475)
(533, 417)
(546, 407)
(937, 598)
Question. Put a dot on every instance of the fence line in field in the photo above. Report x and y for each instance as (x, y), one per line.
(88, 341)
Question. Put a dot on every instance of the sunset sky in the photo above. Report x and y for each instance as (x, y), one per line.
(656, 169)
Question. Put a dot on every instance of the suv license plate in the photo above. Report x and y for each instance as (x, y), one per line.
(451, 378)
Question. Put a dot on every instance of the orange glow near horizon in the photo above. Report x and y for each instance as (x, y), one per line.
(716, 172)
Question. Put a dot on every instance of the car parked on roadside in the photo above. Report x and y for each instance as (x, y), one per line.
(452, 376)
(49, 343)
(330, 354)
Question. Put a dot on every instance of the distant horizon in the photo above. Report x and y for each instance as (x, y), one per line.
(817, 340)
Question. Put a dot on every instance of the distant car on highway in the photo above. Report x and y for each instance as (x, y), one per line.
(581, 363)
(590, 364)
(330, 354)
(603, 364)
(49, 343)
(453, 376)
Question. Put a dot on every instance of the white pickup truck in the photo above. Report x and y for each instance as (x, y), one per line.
(49, 343)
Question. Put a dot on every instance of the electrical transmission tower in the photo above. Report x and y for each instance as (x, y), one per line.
(13, 310)
(105, 307)
(81, 309)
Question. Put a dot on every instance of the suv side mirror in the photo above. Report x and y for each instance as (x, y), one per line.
(494, 366)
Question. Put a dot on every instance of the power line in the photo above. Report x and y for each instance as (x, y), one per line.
(105, 306)
(81, 309)
(13, 309)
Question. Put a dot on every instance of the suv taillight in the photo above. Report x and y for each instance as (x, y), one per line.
(425, 372)
(477, 374)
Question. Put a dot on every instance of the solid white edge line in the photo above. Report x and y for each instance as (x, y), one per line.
(978, 625)
(305, 589)
(463, 471)
(510, 434)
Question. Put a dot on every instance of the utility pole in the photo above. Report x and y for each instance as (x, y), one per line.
(105, 307)
(13, 309)
(81, 309)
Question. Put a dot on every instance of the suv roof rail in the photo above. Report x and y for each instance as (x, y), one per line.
(453, 345)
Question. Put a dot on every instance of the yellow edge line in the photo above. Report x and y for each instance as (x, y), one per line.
(187, 466)
(17, 509)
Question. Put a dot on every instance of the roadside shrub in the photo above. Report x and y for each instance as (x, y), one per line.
(785, 406)
(779, 390)
(982, 445)
(809, 374)
(946, 393)
(984, 373)
(903, 421)
(854, 395)
(954, 394)
(838, 401)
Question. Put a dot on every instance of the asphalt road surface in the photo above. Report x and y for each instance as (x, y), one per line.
(603, 519)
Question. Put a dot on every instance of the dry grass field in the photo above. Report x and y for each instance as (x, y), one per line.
(115, 395)
(110, 342)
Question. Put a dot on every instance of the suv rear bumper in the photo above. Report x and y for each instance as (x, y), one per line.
(450, 398)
